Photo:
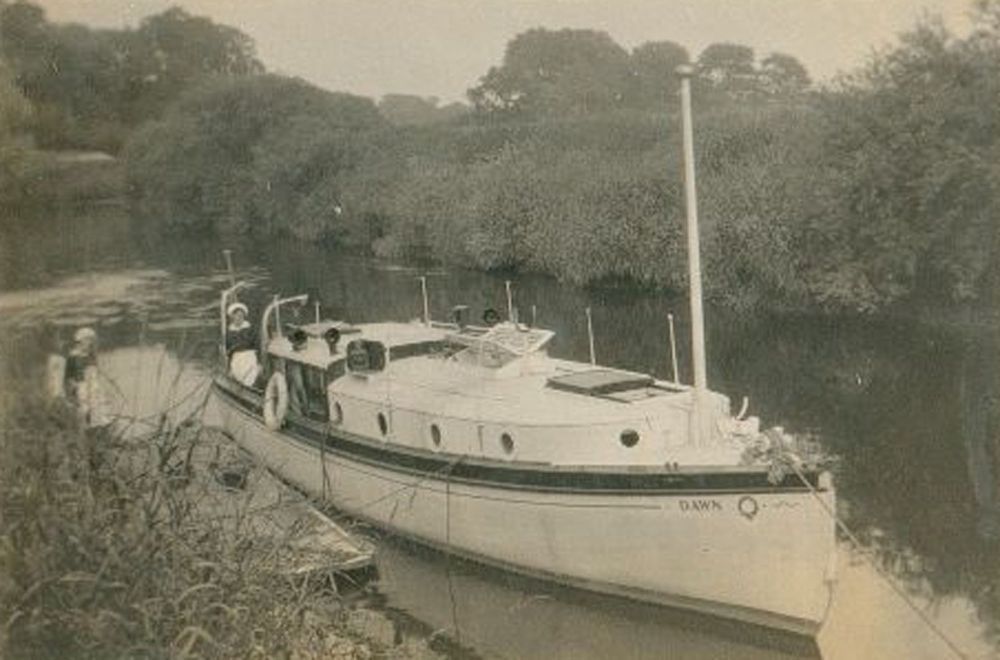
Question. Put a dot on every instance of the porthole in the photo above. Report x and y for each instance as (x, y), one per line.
(507, 443)
(629, 438)
(435, 435)
(336, 414)
(383, 424)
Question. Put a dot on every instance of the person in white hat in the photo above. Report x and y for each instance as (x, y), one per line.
(82, 355)
(80, 378)
(241, 345)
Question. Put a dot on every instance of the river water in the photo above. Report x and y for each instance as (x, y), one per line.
(890, 400)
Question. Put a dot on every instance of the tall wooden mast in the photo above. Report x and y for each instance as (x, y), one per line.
(686, 72)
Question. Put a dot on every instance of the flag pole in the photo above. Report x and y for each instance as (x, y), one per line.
(686, 72)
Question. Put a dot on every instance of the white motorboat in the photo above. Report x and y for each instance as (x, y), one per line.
(474, 440)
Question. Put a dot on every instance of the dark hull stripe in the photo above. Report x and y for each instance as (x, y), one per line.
(539, 477)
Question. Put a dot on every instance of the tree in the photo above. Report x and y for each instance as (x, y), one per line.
(20, 166)
(411, 110)
(24, 35)
(986, 14)
(88, 86)
(65, 71)
(403, 109)
(783, 76)
(173, 50)
(901, 202)
(255, 154)
(728, 67)
(15, 111)
(26, 43)
(654, 70)
(547, 73)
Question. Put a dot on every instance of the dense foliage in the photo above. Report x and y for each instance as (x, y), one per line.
(876, 191)
(259, 154)
(555, 73)
(89, 87)
(19, 165)
(903, 177)
(411, 110)
(119, 543)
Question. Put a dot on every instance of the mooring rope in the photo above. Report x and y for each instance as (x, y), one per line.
(326, 475)
(447, 554)
(862, 550)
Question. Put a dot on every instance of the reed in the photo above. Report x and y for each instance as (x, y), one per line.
(105, 551)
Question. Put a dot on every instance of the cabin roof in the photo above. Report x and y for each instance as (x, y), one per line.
(436, 385)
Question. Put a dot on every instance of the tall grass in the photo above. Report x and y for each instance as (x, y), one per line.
(105, 552)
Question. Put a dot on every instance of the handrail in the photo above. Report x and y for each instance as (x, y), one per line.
(274, 307)
(223, 317)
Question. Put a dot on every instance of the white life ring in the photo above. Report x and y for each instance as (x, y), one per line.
(275, 401)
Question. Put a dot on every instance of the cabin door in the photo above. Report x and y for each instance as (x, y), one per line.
(306, 392)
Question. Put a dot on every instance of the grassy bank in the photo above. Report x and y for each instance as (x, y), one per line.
(45, 179)
(104, 552)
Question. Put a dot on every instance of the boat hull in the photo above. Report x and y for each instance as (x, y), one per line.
(757, 555)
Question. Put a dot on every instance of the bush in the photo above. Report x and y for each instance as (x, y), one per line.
(104, 552)
(245, 154)
(878, 192)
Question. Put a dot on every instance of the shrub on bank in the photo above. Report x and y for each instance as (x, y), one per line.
(874, 193)
(599, 198)
(104, 553)
(245, 155)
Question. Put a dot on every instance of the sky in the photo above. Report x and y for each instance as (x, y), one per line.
(441, 48)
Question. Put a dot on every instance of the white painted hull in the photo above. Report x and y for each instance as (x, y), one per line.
(761, 557)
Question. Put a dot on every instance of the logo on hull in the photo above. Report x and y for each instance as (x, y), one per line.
(748, 507)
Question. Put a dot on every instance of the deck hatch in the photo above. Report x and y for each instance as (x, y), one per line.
(600, 382)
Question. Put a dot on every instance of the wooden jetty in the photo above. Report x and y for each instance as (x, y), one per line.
(228, 485)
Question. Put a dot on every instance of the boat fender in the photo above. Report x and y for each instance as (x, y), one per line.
(275, 401)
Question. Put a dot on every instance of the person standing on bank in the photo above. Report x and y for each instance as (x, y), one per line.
(80, 377)
(241, 345)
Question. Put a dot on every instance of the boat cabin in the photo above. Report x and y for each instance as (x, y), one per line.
(489, 392)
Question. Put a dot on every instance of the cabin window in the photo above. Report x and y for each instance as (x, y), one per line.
(507, 443)
(416, 349)
(383, 424)
(436, 435)
(336, 369)
(306, 391)
(365, 356)
(629, 438)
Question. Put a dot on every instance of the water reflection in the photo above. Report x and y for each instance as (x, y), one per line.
(911, 412)
(499, 614)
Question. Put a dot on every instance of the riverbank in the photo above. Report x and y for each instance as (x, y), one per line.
(49, 179)
(107, 553)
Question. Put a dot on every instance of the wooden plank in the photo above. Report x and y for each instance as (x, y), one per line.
(230, 484)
